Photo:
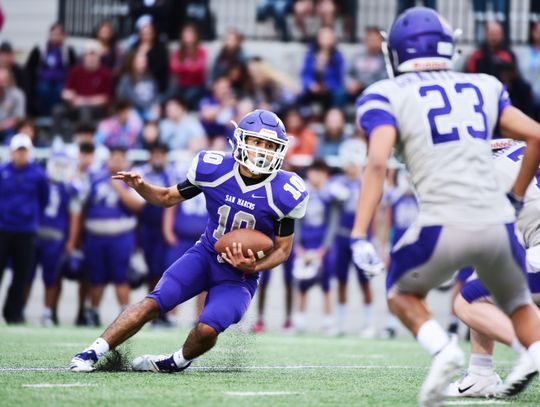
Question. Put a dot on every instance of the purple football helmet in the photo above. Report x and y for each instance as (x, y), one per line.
(420, 40)
(265, 125)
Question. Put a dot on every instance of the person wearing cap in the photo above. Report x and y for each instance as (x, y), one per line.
(88, 86)
(25, 195)
(12, 104)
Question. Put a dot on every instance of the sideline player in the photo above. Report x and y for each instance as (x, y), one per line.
(242, 190)
(445, 121)
(474, 306)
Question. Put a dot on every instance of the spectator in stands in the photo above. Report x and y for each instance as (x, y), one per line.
(7, 59)
(12, 104)
(324, 9)
(139, 87)
(529, 64)
(323, 72)
(367, 66)
(111, 56)
(347, 10)
(25, 195)
(46, 71)
(28, 127)
(332, 136)
(216, 111)
(84, 133)
(160, 13)
(500, 14)
(150, 135)
(188, 67)
(178, 130)
(88, 87)
(156, 52)
(122, 129)
(240, 80)
(520, 91)
(277, 10)
(196, 12)
(230, 54)
(491, 53)
(302, 140)
(109, 240)
(271, 88)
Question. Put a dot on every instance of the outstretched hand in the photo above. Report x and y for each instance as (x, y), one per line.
(235, 257)
(132, 179)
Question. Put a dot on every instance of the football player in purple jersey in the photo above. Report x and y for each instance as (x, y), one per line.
(57, 233)
(245, 189)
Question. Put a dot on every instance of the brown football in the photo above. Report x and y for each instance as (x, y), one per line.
(252, 239)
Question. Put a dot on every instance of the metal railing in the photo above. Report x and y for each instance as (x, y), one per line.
(81, 17)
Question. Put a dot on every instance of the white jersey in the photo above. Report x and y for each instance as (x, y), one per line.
(445, 121)
(507, 163)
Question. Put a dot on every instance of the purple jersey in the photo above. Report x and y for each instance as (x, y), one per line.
(346, 191)
(315, 224)
(152, 215)
(232, 204)
(191, 219)
(63, 199)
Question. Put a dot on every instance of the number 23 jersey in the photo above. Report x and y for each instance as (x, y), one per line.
(444, 121)
(232, 204)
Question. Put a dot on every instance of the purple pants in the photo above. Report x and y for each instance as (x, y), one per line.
(48, 255)
(173, 253)
(342, 259)
(155, 250)
(107, 257)
(198, 270)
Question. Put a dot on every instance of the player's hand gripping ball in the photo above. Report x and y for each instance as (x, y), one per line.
(243, 247)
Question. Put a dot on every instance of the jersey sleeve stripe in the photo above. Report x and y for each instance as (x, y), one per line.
(374, 118)
(371, 97)
(504, 101)
(361, 110)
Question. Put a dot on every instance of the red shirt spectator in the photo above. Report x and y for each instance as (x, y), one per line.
(189, 71)
(86, 82)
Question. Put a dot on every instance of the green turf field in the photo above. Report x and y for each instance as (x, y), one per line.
(243, 370)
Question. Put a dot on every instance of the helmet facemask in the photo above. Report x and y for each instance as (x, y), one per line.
(262, 160)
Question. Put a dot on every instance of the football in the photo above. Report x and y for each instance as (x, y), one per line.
(252, 239)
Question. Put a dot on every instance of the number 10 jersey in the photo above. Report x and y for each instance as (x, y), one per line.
(232, 204)
(444, 121)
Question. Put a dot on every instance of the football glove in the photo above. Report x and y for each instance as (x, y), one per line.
(365, 257)
(516, 202)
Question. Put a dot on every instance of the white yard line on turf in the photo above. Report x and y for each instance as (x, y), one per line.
(260, 393)
(235, 368)
(474, 402)
(48, 385)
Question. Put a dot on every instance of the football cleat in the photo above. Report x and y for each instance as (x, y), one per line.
(84, 362)
(474, 385)
(157, 364)
(518, 379)
(446, 364)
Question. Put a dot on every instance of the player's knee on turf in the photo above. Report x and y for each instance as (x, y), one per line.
(206, 332)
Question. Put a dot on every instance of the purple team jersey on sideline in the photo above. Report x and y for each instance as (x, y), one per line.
(231, 204)
(404, 209)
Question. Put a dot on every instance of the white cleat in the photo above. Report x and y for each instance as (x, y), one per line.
(517, 380)
(157, 364)
(475, 385)
(83, 362)
(446, 364)
(368, 332)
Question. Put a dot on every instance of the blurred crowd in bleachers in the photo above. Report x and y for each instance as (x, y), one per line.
(115, 96)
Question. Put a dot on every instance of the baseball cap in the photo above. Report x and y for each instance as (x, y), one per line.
(20, 141)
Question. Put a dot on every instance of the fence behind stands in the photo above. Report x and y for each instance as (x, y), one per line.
(80, 17)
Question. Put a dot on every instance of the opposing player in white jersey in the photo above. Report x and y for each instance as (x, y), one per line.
(474, 306)
(442, 122)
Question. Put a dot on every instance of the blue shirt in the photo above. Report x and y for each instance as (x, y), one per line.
(24, 195)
